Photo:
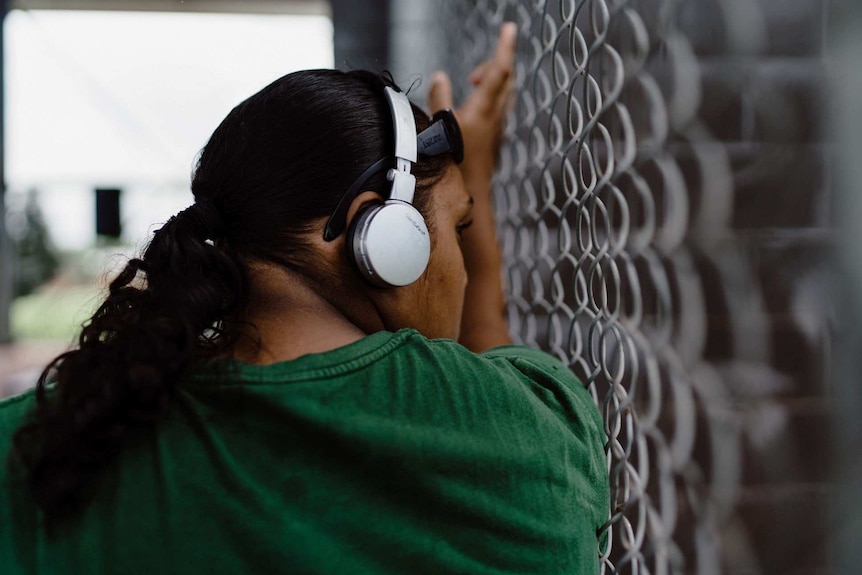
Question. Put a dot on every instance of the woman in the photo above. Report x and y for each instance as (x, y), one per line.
(275, 386)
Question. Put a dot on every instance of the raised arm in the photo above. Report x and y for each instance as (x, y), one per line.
(483, 322)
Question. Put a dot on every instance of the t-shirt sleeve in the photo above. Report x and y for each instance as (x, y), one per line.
(540, 361)
(568, 397)
(542, 368)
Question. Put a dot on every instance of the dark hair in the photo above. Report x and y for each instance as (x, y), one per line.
(280, 160)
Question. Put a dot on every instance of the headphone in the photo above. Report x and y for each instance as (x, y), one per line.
(388, 242)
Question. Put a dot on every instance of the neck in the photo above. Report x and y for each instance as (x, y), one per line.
(293, 316)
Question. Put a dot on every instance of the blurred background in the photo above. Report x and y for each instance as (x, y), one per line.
(678, 198)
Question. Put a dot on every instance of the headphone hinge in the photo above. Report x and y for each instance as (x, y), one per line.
(403, 184)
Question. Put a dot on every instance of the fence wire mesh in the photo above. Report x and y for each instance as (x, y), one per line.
(644, 249)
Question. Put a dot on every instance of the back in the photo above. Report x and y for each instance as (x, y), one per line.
(395, 454)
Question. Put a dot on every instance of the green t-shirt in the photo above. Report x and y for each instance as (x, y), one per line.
(395, 454)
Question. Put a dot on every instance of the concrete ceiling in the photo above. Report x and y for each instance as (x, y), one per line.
(318, 7)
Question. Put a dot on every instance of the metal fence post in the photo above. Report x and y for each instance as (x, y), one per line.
(361, 34)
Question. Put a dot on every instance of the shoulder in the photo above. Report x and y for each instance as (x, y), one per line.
(532, 393)
(507, 370)
(535, 364)
(14, 410)
(509, 362)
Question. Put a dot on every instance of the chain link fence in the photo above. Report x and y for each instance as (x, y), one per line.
(664, 217)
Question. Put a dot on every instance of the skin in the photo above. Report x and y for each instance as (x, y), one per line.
(481, 117)
(460, 294)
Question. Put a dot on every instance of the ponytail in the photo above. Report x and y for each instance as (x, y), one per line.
(164, 313)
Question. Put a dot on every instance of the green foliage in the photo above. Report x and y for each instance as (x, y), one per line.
(36, 260)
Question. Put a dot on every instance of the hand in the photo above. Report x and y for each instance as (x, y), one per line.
(483, 319)
(482, 115)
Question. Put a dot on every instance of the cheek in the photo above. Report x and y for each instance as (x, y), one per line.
(457, 280)
(445, 286)
(453, 266)
(447, 279)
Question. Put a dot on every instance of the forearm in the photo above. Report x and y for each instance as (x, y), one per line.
(483, 322)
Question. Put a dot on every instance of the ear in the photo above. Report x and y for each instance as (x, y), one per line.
(335, 248)
(359, 201)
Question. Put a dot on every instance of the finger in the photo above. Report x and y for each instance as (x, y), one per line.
(478, 73)
(440, 94)
(505, 52)
(497, 72)
(505, 98)
(493, 88)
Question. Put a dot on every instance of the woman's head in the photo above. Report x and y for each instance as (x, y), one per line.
(281, 160)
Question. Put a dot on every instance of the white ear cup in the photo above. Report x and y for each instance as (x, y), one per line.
(389, 243)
